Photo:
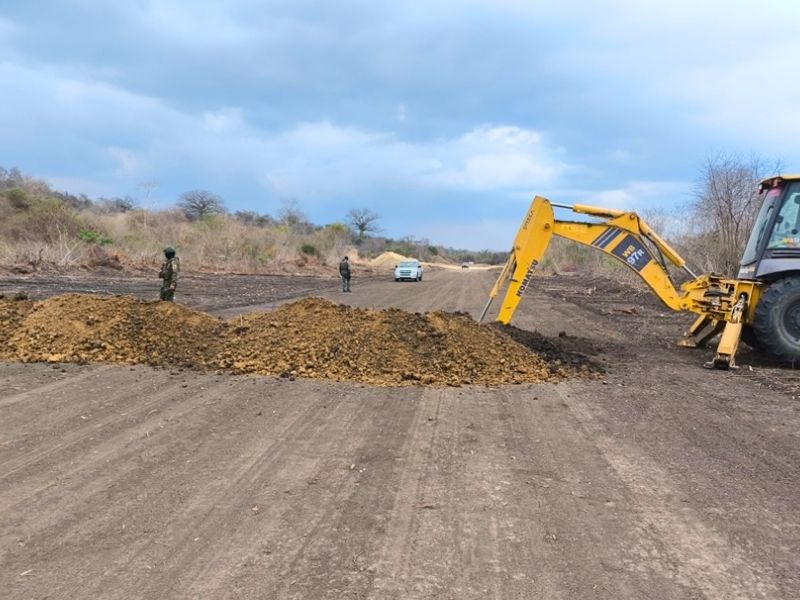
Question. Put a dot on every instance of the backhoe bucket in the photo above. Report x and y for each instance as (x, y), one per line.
(530, 244)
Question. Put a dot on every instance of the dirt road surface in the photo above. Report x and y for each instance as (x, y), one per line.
(659, 480)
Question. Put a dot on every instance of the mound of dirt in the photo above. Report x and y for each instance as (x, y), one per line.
(13, 312)
(315, 338)
(388, 260)
(310, 338)
(83, 328)
(440, 260)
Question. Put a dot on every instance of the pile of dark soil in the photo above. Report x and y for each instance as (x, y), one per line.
(564, 351)
(310, 338)
(86, 328)
(13, 312)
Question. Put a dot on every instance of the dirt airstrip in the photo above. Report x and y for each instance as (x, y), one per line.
(653, 479)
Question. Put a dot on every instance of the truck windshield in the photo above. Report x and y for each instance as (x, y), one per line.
(786, 233)
(750, 251)
(408, 263)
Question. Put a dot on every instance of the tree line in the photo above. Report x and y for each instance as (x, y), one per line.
(710, 230)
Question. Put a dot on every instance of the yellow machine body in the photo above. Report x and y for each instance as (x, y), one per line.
(723, 305)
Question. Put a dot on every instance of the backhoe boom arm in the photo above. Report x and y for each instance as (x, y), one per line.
(721, 303)
(621, 235)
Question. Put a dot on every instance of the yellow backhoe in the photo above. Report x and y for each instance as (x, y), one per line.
(761, 306)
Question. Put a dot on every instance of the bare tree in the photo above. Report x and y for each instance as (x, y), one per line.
(726, 206)
(117, 205)
(364, 221)
(147, 188)
(11, 178)
(197, 204)
(251, 217)
(293, 217)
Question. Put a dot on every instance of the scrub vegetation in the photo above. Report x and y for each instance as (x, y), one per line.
(44, 229)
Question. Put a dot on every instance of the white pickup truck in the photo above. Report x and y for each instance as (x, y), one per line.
(410, 270)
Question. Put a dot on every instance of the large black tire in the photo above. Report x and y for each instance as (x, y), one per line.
(776, 323)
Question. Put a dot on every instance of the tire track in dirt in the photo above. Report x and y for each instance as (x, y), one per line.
(63, 386)
(61, 502)
(340, 523)
(436, 291)
(209, 512)
(552, 486)
(127, 492)
(281, 470)
(18, 378)
(442, 297)
(391, 559)
(492, 534)
(54, 430)
(439, 290)
(467, 291)
(551, 316)
(424, 502)
(71, 443)
(115, 453)
(697, 557)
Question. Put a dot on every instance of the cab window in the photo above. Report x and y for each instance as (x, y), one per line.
(786, 233)
(760, 226)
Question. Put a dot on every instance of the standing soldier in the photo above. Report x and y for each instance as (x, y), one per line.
(169, 273)
(344, 271)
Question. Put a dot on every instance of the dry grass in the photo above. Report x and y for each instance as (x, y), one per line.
(39, 232)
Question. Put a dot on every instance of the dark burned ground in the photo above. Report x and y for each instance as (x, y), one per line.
(200, 291)
(646, 325)
(658, 479)
(562, 349)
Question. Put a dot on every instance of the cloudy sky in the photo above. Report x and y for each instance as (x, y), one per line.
(444, 116)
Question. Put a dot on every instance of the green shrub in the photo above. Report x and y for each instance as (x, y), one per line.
(308, 249)
(94, 237)
(338, 229)
(49, 221)
(19, 199)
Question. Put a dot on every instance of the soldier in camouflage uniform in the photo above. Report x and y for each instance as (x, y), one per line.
(344, 272)
(169, 273)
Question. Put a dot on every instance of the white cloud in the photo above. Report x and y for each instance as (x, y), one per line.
(506, 158)
(312, 160)
(227, 120)
(485, 158)
(8, 28)
(362, 100)
(128, 162)
(191, 23)
(753, 99)
(44, 98)
(79, 185)
(635, 195)
(483, 234)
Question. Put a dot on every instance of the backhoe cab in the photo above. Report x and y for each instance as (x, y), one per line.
(762, 306)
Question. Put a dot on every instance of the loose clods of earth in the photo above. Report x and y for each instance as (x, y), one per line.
(308, 338)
